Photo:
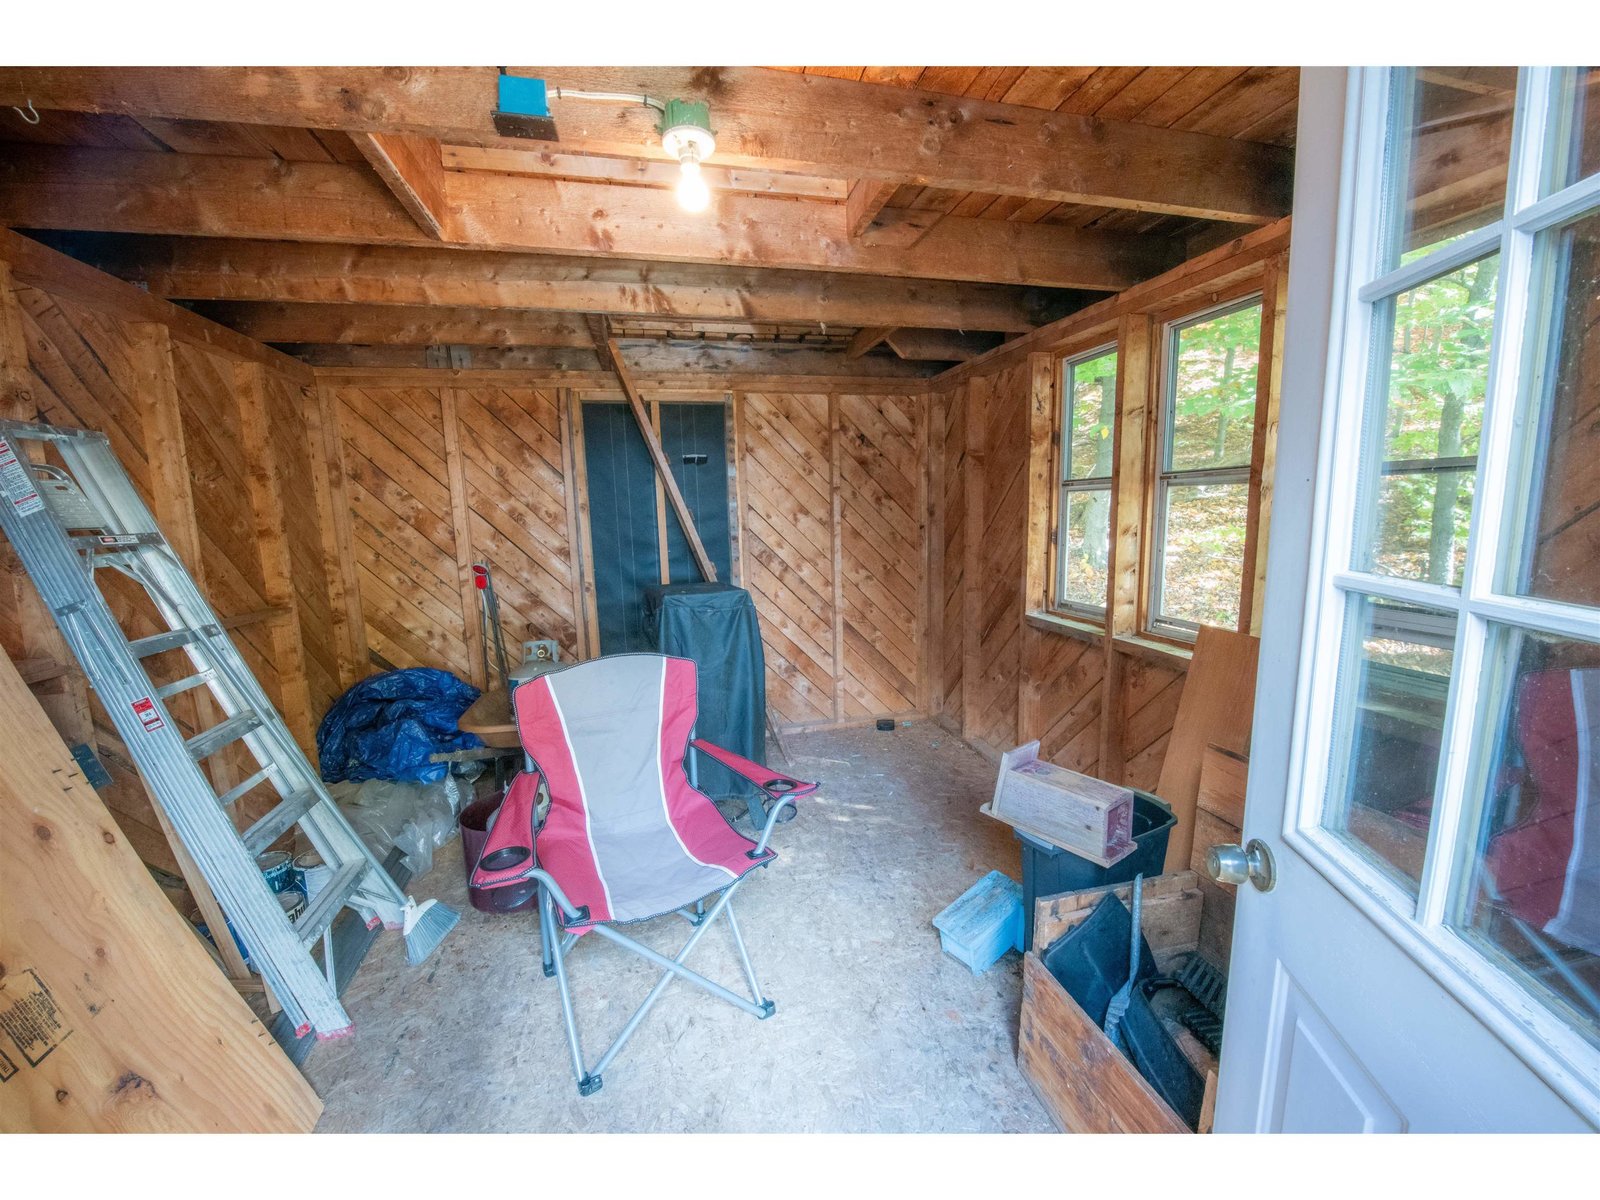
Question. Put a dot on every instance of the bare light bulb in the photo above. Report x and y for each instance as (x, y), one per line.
(693, 194)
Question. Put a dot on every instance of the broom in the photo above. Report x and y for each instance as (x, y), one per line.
(425, 926)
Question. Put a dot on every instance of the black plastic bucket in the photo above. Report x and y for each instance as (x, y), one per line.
(516, 897)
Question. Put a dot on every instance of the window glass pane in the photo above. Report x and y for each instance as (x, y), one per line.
(1394, 674)
(1449, 142)
(1531, 898)
(1575, 152)
(1092, 392)
(1082, 550)
(1432, 373)
(1202, 560)
(1558, 552)
(1212, 407)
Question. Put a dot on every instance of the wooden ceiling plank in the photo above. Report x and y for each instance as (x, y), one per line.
(765, 119)
(639, 171)
(413, 170)
(225, 269)
(939, 345)
(1188, 94)
(113, 191)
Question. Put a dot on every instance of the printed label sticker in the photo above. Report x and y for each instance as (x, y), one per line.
(145, 710)
(16, 483)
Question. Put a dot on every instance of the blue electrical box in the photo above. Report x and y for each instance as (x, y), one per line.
(523, 109)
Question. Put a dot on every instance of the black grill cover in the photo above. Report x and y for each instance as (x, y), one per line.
(715, 625)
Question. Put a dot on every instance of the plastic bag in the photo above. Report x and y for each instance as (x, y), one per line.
(387, 726)
(415, 817)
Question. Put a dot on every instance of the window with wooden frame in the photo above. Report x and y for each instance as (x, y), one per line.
(1081, 541)
(1205, 440)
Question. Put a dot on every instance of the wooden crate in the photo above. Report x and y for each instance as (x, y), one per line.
(1079, 813)
(1085, 1082)
(1079, 1076)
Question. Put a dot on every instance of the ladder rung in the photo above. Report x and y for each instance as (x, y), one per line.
(333, 897)
(116, 543)
(157, 643)
(204, 745)
(234, 793)
(276, 822)
(183, 685)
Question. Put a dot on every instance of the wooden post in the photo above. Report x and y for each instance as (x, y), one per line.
(264, 480)
(932, 686)
(321, 415)
(836, 545)
(974, 486)
(570, 493)
(1263, 450)
(1041, 517)
(460, 518)
(1135, 378)
(583, 548)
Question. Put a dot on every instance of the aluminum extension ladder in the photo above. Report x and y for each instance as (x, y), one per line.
(65, 526)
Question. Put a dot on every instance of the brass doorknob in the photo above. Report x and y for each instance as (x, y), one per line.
(1232, 863)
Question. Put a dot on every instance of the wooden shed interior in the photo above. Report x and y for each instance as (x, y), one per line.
(911, 376)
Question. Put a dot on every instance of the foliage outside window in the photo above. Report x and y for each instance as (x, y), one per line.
(1083, 532)
(1203, 483)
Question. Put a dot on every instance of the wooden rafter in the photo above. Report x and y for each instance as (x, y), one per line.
(130, 192)
(765, 119)
(411, 167)
(226, 269)
(394, 324)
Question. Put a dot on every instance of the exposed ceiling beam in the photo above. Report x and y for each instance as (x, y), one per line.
(608, 169)
(771, 120)
(411, 168)
(393, 324)
(131, 192)
(226, 269)
(642, 358)
(940, 345)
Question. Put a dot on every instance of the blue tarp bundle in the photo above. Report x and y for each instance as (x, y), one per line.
(387, 726)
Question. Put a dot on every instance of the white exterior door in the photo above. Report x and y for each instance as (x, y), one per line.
(1425, 771)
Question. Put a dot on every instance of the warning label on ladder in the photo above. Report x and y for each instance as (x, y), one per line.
(16, 483)
(145, 710)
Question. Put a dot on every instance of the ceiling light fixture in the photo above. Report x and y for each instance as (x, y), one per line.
(685, 129)
(686, 135)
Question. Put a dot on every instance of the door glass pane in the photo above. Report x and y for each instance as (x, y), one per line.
(1432, 373)
(1557, 556)
(1092, 406)
(1575, 150)
(1086, 522)
(1532, 893)
(1449, 142)
(1394, 674)
(1211, 421)
(1202, 562)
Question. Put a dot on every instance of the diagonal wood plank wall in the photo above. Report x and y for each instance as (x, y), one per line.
(91, 353)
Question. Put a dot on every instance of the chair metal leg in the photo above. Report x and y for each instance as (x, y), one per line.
(674, 967)
(547, 935)
(587, 1083)
(744, 959)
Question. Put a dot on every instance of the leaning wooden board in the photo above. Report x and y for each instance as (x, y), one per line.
(113, 1018)
(1216, 708)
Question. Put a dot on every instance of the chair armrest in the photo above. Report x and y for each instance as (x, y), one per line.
(774, 784)
(508, 854)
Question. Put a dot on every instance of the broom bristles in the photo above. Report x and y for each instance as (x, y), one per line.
(426, 927)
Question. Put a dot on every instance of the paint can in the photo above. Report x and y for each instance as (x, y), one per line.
(277, 866)
(293, 903)
(311, 874)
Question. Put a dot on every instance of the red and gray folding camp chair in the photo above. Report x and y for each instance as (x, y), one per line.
(627, 836)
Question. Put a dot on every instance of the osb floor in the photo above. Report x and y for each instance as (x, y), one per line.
(876, 1030)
